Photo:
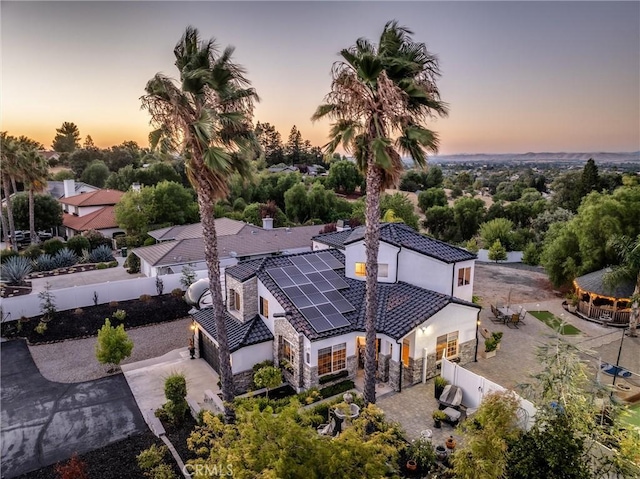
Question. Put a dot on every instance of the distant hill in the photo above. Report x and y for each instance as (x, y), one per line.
(599, 157)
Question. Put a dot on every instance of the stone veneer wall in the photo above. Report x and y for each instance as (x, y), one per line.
(394, 374)
(248, 292)
(383, 367)
(282, 328)
(242, 381)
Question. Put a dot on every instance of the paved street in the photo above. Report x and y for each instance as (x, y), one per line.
(44, 422)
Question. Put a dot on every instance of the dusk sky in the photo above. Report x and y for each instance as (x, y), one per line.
(518, 76)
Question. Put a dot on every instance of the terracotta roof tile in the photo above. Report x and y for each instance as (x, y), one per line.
(94, 198)
(101, 219)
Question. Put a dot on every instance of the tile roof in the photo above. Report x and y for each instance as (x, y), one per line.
(224, 227)
(56, 188)
(593, 282)
(250, 240)
(94, 198)
(245, 269)
(335, 239)
(399, 234)
(239, 334)
(401, 306)
(101, 219)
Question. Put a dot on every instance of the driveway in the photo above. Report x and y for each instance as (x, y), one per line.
(44, 422)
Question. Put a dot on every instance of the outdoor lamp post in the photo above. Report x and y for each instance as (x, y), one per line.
(192, 345)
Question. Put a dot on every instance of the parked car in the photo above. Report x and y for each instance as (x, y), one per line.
(44, 235)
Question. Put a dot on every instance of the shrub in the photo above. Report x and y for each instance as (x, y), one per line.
(145, 297)
(112, 264)
(101, 266)
(85, 257)
(440, 382)
(149, 241)
(41, 327)
(421, 451)
(78, 311)
(490, 344)
(531, 255)
(96, 239)
(120, 315)
(32, 252)
(132, 263)
(5, 254)
(188, 276)
(44, 262)
(65, 258)
(75, 468)
(113, 344)
(101, 254)
(152, 457)
(337, 388)
(332, 377)
(267, 377)
(47, 302)
(113, 304)
(78, 243)
(175, 390)
(15, 269)
(159, 285)
(177, 293)
(52, 246)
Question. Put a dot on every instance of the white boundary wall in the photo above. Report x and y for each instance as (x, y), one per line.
(475, 387)
(512, 257)
(82, 296)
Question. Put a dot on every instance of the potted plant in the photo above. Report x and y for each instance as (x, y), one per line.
(438, 417)
(490, 346)
(497, 336)
(572, 302)
(439, 383)
(450, 443)
(421, 456)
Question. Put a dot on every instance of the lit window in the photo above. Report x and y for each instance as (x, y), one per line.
(286, 350)
(361, 269)
(332, 359)
(448, 342)
(264, 307)
(234, 299)
(464, 276)
(405, 352)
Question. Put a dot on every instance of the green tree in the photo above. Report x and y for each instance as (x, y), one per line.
(270, 143)
(297, 204)
(134, 210)
(468, 214)
(9, 168)
(208, 116)
(376, 92)
(497, 252)
(79, 160)
(268, 377)
(173, 204)
(402, 207)
(294, 148)
(46, 210)
(566, 192)
(431, 197)
(113, 344)
(500, 229)
(96, 173)
(628, 269)
(590, 179)
(33, 171)
(67, 138)
(439, 222)
(344, 177)
(175, 390)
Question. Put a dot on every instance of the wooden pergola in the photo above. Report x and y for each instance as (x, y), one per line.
(600, 302)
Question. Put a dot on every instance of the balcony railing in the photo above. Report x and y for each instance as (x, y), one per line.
(603, 314)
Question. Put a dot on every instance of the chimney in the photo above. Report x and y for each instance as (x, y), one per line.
(342, 225)
(69, 188)
(267, 223)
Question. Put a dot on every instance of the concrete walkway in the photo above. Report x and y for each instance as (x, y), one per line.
(44, 422)
(146, 380)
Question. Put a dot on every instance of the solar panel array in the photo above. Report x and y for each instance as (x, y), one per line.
(312, 286)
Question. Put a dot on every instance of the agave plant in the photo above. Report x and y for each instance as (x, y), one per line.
(44, 262)
(102, 254)
(15, 269)
(85, 257)
(65, 258)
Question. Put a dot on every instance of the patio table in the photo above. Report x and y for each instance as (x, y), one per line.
(506, 313)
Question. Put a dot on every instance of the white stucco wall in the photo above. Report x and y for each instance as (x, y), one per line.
(274, 306)
(463, 292)
(425, 272)
(245, 358)
(315, 346)
(85, 210)
(316, 246)
(356, 253)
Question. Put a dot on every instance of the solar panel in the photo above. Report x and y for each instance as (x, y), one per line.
(309, 288)
(343, 306)
(301, 302)
(321, 325)
(317, 262)
(324, 286)
(302, 264)
(337, 320)
(315, 277)
(293, 292)
(331, 260)
(334, 280)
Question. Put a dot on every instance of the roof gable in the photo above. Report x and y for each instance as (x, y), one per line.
(101, 219)
(94, 198)
(239, 334)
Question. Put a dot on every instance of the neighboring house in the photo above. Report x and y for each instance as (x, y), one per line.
(306, 311)
(237, 241)
(281, 168)
(94, 210)
(67, 188)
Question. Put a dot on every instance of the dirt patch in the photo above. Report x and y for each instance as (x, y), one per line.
(514, 283)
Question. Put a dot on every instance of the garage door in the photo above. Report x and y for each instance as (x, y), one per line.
(209, 352)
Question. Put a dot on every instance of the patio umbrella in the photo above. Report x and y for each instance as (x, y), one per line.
(509, 298)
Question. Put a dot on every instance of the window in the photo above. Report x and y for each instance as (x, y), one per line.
(405, 352)
(264, 307)
(448, 342)
(234, 299)
(383, 270)
(464, 276)
(332, 359)
(286, 350)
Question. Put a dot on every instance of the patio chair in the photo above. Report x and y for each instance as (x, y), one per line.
(523, 314)
(451, 397)
(514, 320)
(498, 317)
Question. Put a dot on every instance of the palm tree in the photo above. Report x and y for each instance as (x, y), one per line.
(34, 171)
(9, 170)
(628, 270)
(206, 116)
(377, 93)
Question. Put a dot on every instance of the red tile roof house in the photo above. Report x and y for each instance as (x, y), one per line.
(90, 211)
(306, 311)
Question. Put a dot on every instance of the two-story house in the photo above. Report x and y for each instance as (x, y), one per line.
(306, 311)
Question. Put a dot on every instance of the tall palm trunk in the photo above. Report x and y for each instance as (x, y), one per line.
(12, 228)
(5, 229)
(205, 204)
(32, 217)
(372, 245)
(635, 309)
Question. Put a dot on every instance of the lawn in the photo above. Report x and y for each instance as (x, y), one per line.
(555, 323)
(634, 418)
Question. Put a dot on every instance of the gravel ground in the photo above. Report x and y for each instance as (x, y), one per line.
(75, 360)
